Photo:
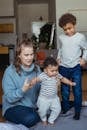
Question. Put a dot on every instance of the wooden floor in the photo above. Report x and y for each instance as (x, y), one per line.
(1, 118)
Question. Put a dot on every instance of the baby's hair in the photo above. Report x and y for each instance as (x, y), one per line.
(67, 18)
(49, 61)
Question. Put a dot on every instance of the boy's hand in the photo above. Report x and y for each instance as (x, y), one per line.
(82, 62)
(58, 61)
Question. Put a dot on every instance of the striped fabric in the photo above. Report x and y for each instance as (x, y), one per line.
(49, 85)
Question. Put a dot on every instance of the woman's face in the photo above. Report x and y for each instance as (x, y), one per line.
(26, 56)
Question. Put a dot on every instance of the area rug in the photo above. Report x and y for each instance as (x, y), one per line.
(63, 122)
(66, 122)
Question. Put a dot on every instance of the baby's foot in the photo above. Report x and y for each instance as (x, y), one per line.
(51, 123)
(44, 123)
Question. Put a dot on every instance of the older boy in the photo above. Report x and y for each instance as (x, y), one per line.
(72, 55)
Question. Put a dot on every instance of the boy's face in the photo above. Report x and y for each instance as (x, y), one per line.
(51, 70)
(69, 29)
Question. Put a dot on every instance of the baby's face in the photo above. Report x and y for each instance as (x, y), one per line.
(69, 29)
(51, 70)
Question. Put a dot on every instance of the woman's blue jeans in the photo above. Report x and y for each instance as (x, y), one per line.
(22, 115)
(75, 75)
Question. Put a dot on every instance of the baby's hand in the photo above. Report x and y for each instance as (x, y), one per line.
(72, 84)
(33, 81)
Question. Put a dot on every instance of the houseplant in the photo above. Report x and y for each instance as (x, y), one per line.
(45, 35)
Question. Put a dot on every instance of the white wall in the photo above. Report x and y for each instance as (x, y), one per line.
(6, 7)
(28, 13)
(52, 11)
(7, 17)
(78, 8)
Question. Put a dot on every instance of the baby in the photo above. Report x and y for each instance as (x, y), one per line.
(48, 98)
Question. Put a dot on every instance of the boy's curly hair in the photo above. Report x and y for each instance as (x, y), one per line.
(67, 18)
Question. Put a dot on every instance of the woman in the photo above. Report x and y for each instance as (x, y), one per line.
(19, 100)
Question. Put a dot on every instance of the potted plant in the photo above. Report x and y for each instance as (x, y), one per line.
(45, 35)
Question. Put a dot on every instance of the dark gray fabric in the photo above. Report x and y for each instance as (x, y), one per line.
(66, 122)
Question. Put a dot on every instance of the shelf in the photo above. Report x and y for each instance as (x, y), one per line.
(4, 50)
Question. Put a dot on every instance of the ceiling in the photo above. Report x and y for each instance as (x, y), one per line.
(32, 1)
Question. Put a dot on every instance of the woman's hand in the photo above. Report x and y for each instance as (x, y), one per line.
(27, 85)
